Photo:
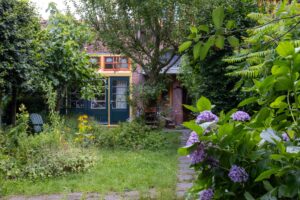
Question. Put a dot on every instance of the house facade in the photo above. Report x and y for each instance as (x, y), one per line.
(120, 73)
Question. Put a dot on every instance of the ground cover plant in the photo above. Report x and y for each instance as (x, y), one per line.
(254, 157)
(115, 171)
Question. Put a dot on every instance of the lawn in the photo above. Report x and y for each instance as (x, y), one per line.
(115, 171)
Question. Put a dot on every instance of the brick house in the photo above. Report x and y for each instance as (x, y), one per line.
(112, 106)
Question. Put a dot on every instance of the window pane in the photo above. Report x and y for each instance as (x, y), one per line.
(108, 59)
(108, 66)
(119, 94)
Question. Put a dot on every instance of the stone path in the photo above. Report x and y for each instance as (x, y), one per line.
(185, 175)
(131, 195)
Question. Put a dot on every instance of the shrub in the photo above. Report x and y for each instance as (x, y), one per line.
(243, 157)
(129, 135)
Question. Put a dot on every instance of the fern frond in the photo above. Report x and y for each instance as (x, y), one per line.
(251, 72)
(261, 53)
(235, 59)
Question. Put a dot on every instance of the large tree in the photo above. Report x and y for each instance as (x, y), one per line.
(19, 25)
(63, 60)
(147, 31)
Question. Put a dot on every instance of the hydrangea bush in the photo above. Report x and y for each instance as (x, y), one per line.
(238, 156)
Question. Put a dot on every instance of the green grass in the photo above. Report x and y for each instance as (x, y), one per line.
(115, 171)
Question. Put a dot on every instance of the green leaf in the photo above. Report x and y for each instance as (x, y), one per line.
(248, 196)
(196, 50)
(285, 49)
(192, 125)
(220, 41)
(203, 104)
(296, 67)
(278, 102)
(204, 28)
(184, 46)
(218, 17)
(184, 151)
(193, 29)
(191, 108)
(267, 185)
(233, 41)
(205, 48)
(248, 101)
(230, 24)
(280, 70)
(266, 174)
(283, 83)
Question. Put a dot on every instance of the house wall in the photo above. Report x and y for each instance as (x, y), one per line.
(177, 110)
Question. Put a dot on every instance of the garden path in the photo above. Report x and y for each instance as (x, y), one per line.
(185, 175)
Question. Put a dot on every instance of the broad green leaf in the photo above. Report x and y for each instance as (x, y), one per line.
(205, 48)
(204, 28)
(193, 29)
(280, 70)
(191, 108)
(230, 24)
(226, 129)
(248, 101)
(218, 17)
(203, 104)
(248, 196)
(220, 41)
(266, 174)
(277, 157)
(196, 50)
(296, 67)
(278, 102)
(184, 46)
(184, 151)
(285, 49)
(283, 83)
(192, 125)
(267, 185)
(233, 41)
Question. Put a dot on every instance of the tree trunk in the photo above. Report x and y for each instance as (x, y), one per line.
(13, 109)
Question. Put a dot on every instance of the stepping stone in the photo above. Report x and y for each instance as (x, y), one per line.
(185, 177)
(184, 186)
(92, 196)
(184, 166)
(16, 198)
(180, 194)
(74, 196)
(134, 195)
(113, 196)
(184, 160)
(187, 171)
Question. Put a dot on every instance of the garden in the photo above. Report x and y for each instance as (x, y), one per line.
(240, 76)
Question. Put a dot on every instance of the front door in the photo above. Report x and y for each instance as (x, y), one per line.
(119, 92)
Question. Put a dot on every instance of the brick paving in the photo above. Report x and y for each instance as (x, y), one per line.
(185, 175)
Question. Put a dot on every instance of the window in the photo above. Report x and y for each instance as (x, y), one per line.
(119, 94)
(99, 102)
(75, 100)
(116, 62)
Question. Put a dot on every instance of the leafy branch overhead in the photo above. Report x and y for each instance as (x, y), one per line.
(203, 37)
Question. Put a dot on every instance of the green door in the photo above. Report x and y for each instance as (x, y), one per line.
(119, 92)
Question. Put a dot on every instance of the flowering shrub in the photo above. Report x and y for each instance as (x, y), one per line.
(84, 135)
(242, 157)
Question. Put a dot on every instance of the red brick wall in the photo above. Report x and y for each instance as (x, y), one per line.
(177, 110)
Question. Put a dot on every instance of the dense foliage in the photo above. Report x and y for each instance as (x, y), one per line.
(18, 28)
(255, 157)
(199, 75)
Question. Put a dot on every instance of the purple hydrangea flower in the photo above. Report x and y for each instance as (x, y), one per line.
(240, 116)
(206, 194)
(198, 155)
(285, 137)
(206, 116)
(192, 139)
(238, 174)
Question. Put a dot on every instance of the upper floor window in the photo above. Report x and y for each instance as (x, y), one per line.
(116, 62)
